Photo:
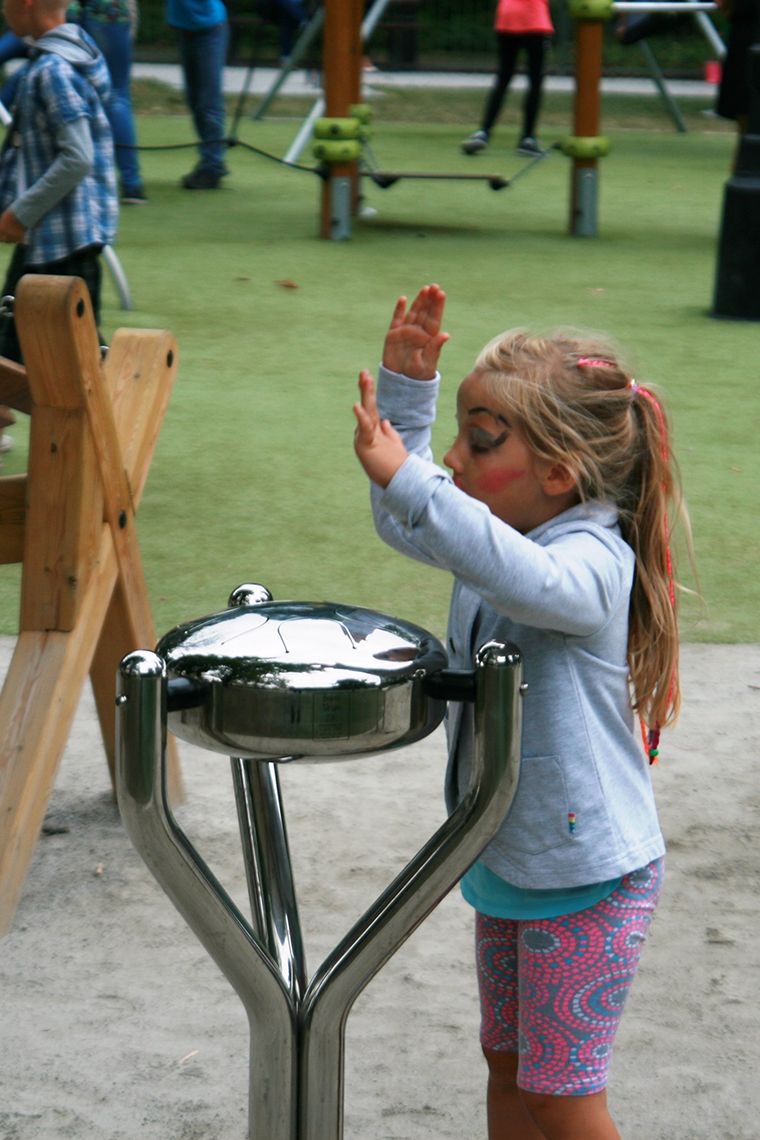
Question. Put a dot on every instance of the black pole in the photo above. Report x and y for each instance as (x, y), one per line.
(737, 278)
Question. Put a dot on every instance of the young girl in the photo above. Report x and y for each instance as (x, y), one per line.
(554, 524)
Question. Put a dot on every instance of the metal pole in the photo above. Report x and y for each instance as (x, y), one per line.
(200, 898)
(372, 19)
(304, 131)
(711, 34)
(659, 81)
(413, 894)
(118, 275)
(676, 9)
(312, 29)
(266, 856)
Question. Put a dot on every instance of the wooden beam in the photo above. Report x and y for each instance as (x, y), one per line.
(63, 518)
(139, 373)
(84, 599)
(589, 46)
(342, 64)
(12, 515)
(38, 701)
(14, 387)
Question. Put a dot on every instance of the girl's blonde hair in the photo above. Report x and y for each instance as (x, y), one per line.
(576, 404)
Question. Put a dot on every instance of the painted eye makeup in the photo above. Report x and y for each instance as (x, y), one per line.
(481, 441)
(478, 439)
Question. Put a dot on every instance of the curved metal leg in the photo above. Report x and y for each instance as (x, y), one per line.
(200, 898)
(116, 270)
(412, 895)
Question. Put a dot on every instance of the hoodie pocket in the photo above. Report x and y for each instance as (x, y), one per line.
(541, 817)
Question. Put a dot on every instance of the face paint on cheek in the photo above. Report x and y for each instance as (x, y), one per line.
(495, 481)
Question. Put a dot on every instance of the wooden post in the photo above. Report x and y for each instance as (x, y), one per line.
(589, 42)
(342, 60)
(71, 522)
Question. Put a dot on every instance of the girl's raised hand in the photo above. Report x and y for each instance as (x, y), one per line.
(414, 340)
(378, 446)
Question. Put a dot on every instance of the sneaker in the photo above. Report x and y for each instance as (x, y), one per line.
(200, 179)
(475, 143)
(6, 443)
(529, 147)
(135, 197)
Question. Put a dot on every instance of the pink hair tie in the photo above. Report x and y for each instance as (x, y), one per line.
(592, 362)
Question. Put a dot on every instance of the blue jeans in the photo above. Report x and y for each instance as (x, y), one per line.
(291, 14)
(203, 54)
(115, 42)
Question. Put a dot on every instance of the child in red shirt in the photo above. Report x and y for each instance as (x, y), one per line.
(519, 25)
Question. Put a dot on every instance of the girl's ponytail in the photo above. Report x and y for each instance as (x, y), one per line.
(576, 402)
(653, 630)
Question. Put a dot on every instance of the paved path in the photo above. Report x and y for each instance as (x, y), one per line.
(301, 82)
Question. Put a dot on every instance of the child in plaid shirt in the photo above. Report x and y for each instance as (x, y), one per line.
(58, 201)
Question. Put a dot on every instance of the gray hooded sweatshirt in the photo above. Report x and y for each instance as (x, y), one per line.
(561, 595)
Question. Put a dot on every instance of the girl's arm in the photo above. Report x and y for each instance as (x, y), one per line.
(384, 450)
(410, 359)
(412, 346)
(569, 579)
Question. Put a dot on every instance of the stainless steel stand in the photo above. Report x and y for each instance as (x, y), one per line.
(297, 1029)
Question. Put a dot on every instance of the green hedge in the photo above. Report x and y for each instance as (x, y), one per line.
(457, 35)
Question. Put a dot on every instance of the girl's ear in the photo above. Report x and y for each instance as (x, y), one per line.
(558, 479)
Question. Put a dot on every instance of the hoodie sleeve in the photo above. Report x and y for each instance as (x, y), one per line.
(72, 163)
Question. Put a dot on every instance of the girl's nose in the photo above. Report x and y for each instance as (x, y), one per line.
(451, 457)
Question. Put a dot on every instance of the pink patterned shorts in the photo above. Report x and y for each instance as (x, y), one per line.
(553, 989)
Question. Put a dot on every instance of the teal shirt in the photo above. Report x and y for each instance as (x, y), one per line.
(493, 896)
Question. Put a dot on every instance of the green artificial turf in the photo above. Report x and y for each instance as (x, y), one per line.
(254, 478)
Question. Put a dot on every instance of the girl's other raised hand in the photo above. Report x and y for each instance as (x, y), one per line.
(378, 446)
(414, 340)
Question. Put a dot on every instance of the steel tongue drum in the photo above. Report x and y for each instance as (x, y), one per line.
(299, 680)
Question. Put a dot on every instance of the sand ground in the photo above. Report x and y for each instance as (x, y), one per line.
(115, 1024)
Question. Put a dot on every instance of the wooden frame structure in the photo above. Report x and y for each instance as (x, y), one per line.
(589, 44)
(70, 521)
(586, 145)
(342, 66)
